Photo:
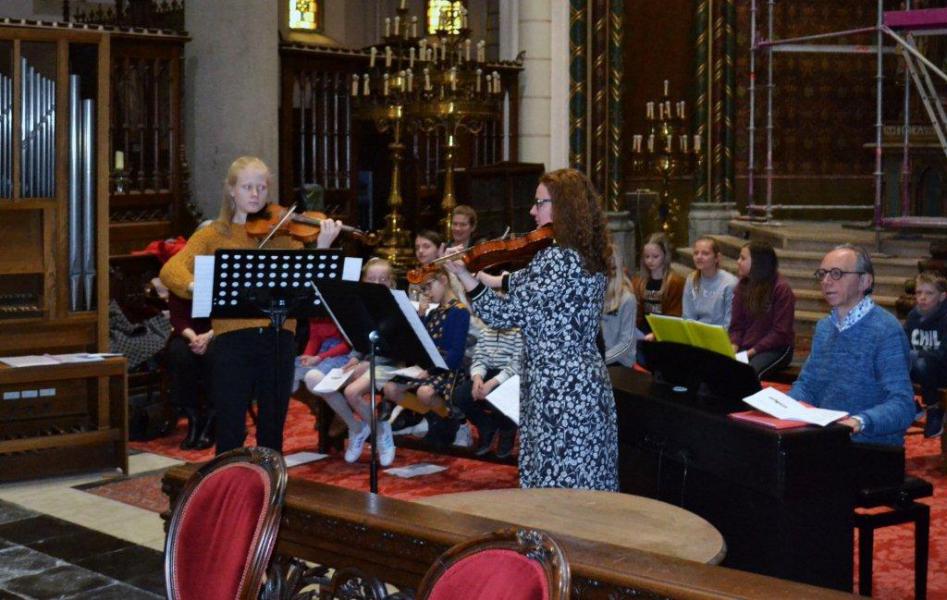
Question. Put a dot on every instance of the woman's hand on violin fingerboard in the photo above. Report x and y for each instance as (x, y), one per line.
(329, 229)
(458, 268)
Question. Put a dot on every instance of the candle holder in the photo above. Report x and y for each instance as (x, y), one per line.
(430, 84)
(666, 150)
(119, 181)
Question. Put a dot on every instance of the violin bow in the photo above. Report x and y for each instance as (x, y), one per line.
(275, 228)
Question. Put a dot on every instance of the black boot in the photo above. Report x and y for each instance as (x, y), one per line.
(193, 430)
(207, 436)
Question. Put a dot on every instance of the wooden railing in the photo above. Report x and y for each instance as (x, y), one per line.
(396, 541)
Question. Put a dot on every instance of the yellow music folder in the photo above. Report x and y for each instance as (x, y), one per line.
(693, 333)
(710, 337)
(669, 329)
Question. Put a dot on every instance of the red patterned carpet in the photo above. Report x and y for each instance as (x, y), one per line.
(894, 546)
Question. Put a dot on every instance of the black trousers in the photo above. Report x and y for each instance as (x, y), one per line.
(245, 365)
(188, 372)
(481, 413)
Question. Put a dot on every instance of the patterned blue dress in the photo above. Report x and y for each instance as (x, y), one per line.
(568, 431)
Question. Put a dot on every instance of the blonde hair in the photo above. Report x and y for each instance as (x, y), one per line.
(931, 278)
(373, 262)
(227, 206)
(618, 282)
(661, 241)
(467, 211)
(695, 276)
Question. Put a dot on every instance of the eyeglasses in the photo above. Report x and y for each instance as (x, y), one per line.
(835, 274)
(540, 201)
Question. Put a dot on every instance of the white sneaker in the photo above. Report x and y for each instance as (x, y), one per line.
(419, 429)
(356, 443)
(463, 438)
(386, 444)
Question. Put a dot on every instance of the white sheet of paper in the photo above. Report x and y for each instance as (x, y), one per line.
(301, 458)
(76, 358)
(203, 286)
(31, 360)
(333, 380)
(506, 397)
(417, 326)
(742, 357)
(352, 269)
(409, 372)
(775, 403)
(415, 470)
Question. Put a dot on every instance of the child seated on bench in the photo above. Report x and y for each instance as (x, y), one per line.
(926, 327)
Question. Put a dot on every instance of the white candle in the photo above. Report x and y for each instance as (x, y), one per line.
(649, 110)
(119, 160)
(402, 4)
(651, 143)
(661, 111)
(422, 49)
(479, 75)
(355, 84)
(453, 79)
(365, 88)
(414, 27)
(684, 144)
(481, 51)
(467, 49)
(397, 25)
(697, 144)
(371, 62)
(496, 82)
(665, 87)
(384, 89)
(411, 57)
(387, 56)
(668, 143)
(463, 18)
(434, 51)
(667, 108)
(387, 26)
(410, 80)
(427, 80)
(489, 83)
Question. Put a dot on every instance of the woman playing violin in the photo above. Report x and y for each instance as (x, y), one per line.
(243, 352)
(568, 435)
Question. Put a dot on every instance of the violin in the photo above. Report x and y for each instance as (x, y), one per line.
(273, 219)
(490, 254)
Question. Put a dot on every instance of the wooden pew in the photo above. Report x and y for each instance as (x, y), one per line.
(396, 541)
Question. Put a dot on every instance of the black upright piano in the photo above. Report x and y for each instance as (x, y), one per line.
(783, 499)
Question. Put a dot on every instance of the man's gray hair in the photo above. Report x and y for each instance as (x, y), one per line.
(862, 262)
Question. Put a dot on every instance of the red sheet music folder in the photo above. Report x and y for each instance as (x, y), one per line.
(760, 418)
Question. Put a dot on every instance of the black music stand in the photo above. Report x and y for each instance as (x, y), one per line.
(719, 381)
(378, 321)
(271, 283)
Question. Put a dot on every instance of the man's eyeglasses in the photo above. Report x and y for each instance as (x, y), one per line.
(540, 201)
(835, 274)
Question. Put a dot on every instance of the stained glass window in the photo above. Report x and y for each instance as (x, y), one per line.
(303, 14)
(445, 14)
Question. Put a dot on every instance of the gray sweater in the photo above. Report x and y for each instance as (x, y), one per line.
(618, 332)
(713, 303)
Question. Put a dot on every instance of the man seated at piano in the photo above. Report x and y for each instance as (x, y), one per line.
(860, 360)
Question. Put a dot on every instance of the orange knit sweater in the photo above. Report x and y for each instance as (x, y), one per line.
(178, 273)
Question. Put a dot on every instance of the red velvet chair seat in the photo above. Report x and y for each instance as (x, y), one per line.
(492, 575)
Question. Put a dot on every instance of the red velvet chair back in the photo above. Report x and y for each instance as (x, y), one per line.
(223, 529)
(511, 564)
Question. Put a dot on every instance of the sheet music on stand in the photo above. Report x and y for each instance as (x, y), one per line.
(228, 282)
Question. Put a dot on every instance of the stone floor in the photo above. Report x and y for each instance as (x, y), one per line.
(57, 541)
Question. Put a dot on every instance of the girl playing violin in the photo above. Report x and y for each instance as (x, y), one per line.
(244, 351)
(568, 432)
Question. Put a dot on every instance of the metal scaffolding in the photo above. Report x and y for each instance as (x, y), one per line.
(911, 24)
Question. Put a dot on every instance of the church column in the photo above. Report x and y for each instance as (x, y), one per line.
(714, 204)
(534, 35)
(231, 87)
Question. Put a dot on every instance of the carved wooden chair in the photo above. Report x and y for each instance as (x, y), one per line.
(223, 529)
(510, 564)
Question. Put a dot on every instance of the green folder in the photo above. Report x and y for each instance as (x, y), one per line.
(669, 329)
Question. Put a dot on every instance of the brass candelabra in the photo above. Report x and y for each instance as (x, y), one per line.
(666, 150)
(438, 83)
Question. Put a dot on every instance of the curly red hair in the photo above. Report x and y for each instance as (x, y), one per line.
(578, 220)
